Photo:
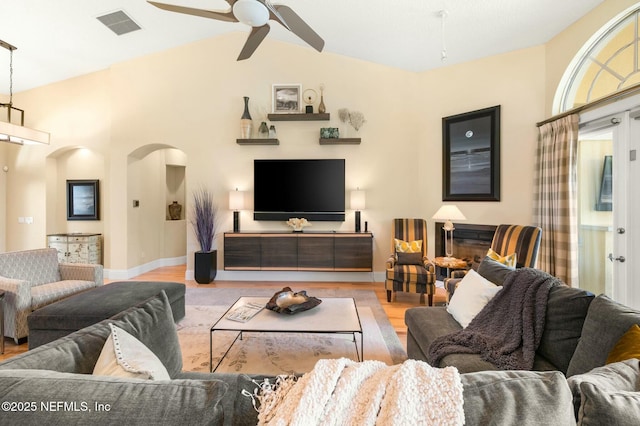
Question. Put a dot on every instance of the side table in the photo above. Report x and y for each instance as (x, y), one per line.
(450, 263)
(1, 321)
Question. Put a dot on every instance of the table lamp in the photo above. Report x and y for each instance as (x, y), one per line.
(236, 203)
(447, 213)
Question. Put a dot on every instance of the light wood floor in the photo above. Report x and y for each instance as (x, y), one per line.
(395, 310)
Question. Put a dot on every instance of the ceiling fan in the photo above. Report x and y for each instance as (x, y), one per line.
(255, 13)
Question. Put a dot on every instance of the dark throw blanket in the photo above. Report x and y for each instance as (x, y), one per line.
(508, 330)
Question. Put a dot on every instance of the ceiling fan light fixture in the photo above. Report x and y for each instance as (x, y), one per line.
(251, 12)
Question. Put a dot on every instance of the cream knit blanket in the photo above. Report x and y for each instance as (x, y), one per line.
(344, 392)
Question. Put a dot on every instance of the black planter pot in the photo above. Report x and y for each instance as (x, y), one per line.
(206, 266)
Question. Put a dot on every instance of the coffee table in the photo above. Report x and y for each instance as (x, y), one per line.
(335, 315)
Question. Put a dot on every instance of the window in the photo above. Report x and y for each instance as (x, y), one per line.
(609, 62)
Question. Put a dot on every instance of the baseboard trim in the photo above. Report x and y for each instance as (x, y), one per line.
(125, 274)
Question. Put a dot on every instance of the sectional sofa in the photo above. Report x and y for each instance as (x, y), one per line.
(55, 381)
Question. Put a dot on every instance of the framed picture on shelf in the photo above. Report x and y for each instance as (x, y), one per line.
(286, 98)
(471, 156)
(83, 200)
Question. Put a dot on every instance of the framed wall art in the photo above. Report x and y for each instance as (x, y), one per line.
(286, 98)
(83, 200)
(471, 156)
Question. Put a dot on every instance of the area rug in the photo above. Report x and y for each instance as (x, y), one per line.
(279, 353)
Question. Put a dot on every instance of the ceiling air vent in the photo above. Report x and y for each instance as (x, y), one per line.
(119, 22)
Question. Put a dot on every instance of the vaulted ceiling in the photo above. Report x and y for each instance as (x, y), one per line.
(60, 39)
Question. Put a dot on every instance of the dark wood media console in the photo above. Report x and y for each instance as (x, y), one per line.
(298, 251)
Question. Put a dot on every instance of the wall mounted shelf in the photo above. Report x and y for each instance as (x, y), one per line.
(299, 117)
(340, 141)
(257, 141)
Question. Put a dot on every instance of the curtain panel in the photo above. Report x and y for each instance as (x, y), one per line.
(555, 198)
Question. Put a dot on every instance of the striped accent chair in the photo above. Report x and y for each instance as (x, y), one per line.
(508, 239)
(414, 277)
(522, 240)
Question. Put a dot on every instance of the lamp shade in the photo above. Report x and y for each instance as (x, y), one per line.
(449, 212)
(358, 200)
(251, 12)
(236, 200)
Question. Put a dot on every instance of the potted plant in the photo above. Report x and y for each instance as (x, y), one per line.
(203, 220)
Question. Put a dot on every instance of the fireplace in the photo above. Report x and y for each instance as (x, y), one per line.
(470, 242)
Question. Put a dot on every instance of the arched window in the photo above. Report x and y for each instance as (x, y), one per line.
(607, 63)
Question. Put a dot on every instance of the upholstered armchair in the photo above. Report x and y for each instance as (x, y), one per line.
(408, 268)
(524, 241)
(32, 279)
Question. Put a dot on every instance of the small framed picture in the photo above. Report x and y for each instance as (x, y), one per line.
(83, 200)
(286, 98)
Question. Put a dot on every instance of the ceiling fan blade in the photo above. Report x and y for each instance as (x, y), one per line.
(274, 14)
(299, 27)
(219, 15)
(253, 41)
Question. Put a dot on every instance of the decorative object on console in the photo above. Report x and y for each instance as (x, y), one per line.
(286, 301)
(309, 97)
(236, 203)
(175, 210)
(10, 132)
(286, 98)
(329, 133)
(255, 13)
(448, 212)
(358, 199)
(204, 221)
(245, 121)
(298, 223)
(322, 108)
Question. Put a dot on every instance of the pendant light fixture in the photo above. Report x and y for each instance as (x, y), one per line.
(13, 133)
(443, 53)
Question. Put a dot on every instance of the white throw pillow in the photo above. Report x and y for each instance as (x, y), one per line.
(471, 295)
(125, 356)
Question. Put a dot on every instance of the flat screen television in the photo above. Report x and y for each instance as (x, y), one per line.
(313, 189)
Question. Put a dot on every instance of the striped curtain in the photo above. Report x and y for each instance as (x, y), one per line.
(555, 198)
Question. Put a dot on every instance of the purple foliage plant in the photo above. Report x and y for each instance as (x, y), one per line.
(204, 218)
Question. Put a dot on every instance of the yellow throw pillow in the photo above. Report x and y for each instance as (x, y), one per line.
(508, 260)
(628, 347)
(408, 247)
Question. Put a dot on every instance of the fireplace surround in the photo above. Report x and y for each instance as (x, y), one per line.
(470, 242)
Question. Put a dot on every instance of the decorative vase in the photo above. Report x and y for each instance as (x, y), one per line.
(245, 121)
(205, 266)
(272, 132)
(263, 130)
(175, 210)
(321, 108)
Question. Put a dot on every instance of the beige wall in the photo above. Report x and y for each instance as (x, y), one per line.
(190, 99)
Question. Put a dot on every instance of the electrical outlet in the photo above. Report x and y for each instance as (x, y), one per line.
(28, 220)
(136, 203)
(21, 219)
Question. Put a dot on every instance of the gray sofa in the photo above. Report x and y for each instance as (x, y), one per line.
(569, 322)
(53, 384)
(32, 279)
